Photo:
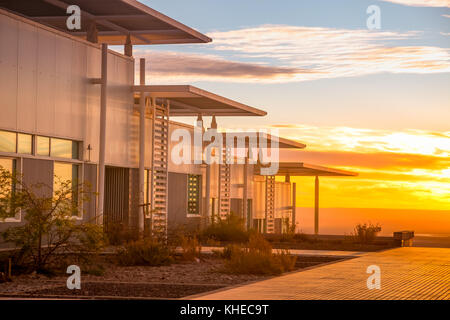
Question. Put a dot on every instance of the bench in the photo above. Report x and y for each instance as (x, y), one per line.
(403, 238)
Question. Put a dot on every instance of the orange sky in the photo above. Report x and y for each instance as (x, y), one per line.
(406, 172)
(407, 169)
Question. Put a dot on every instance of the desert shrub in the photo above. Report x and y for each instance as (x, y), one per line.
(145, 252)
(231, 229)
(50, 234)
(191, 248)
(230, 250)
(366, 233)
(118, 234)
(257, 258)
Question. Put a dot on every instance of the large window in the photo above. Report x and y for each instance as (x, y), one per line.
(194, 193)
(55, 147)
(13, 142)
(67, 172)
(9, 165)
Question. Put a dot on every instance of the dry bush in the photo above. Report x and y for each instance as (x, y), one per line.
(366, 233)
(191, 248)
(257, 258)
(146, 252)
(231, 229)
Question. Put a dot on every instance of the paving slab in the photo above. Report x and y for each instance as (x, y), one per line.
(406, 274)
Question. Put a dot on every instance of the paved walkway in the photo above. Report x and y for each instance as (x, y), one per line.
(406, 273)
(329, 253)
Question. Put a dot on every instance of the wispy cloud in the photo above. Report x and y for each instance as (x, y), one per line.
(422, 3)
(280, 53)
(195, 67)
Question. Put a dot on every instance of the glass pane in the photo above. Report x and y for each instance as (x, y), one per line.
(7, 164)
(24, 143)
(42, 146)
(66, 172)
(74, 150)
(61, 148)
(7, 141)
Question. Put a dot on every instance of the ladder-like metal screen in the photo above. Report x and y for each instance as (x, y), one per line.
(270, 204)
(224, 184)
(159, 173)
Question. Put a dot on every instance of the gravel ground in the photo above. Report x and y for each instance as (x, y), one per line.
(174, 281)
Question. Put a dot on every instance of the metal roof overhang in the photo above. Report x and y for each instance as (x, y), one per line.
(304, 169)
(115, 20)
(192, 101)
(283, 143)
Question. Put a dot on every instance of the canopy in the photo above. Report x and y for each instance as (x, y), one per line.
(192, 101)
(304, 169)
(114, 19)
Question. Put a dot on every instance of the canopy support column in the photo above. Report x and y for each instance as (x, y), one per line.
(128, 49)
(294, 205)
(101, 160)
(141, 149)
(245, 195)
(316, 206)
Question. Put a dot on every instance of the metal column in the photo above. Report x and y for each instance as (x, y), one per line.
(316, 206)
(141, 148)
(101, 161)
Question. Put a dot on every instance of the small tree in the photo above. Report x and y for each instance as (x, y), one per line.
(50, 233)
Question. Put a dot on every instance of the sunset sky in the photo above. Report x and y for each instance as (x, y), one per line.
(372, 101)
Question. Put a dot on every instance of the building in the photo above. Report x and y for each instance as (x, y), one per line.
(70, 108)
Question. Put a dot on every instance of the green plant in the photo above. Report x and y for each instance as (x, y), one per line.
(51, 232)
(366, 233)
(232, 229)
(145, 252)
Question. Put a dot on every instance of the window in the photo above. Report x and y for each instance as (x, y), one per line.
(9, 165)
(66, 172)
(42, 146)
(194, 187)
(55, 147)
(24, 143)
(7, 141)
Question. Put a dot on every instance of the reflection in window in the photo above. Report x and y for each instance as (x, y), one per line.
(62, 148)
(7, 141)
(24, 143)
(9, 165)
(64, 172)
(42, 146)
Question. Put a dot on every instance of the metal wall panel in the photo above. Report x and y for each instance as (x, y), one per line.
(90, 207)
(63, 86)
(177, 209)
(38, 171)
(27, 78)
(45, 115)
(8, 72)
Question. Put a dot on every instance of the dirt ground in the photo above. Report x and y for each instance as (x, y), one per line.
(173, 281)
